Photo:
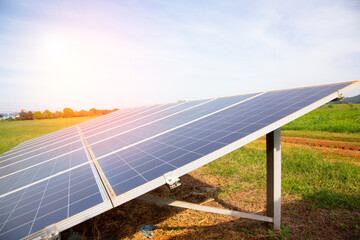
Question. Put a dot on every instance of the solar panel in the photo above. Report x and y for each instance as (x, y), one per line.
(79, 172)
(150, 160)
(61, 197)
(127, 134)
(14, 178)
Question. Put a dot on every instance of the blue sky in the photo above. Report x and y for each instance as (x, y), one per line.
(113, 54)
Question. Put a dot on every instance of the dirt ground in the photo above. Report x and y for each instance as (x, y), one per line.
(299, 219)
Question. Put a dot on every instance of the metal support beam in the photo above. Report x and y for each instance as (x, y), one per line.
(158, 200)
(273, 176)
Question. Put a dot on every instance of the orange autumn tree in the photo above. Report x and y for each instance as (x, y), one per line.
(68, 112)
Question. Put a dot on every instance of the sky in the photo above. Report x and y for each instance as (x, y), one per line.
(114, 54)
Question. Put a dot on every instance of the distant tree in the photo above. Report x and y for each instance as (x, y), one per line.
(23, 116)
(26, 116)
(58, 114)
(30, 115)
(37, 115)
(46, 114)
(93, 112)
(68, 112)
(83, 113)
(1, 115)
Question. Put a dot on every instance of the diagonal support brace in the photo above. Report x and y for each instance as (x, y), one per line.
(158, 200)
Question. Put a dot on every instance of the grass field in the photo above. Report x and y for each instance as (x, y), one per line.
(331, 118)
(320, 185)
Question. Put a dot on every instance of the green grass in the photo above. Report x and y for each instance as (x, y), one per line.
(330, 118)
(15, 132)
(304, 172)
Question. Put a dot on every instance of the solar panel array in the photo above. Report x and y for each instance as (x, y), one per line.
(81, 171)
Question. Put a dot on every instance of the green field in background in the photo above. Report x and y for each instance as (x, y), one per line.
(330, 118)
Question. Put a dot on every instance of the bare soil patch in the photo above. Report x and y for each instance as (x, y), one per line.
(340, 148)
(298, 217)
(352, 146)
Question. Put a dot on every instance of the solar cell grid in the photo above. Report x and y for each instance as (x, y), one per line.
(127, 120)
(34, 208)
(115, 142)
(124, 126)
(16, 164)
(37, 172)
(40, 143)
(111, 116)
(134, 114)
(50, 136)
(34, 151)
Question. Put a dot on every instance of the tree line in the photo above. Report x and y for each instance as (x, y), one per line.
(66, 113)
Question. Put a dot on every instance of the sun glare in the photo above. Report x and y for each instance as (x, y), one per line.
(55, 47)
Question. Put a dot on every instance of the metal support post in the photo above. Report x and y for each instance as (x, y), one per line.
(273, 176)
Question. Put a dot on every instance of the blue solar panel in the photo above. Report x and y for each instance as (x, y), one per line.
(153, 158)
(40, 142)
(38, 206)
(50, 136)
(108, 118)
(62, 145)
(123, 137)
(50, 179)
(35, 172)
(121, 125)
(18, 163)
